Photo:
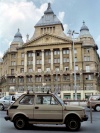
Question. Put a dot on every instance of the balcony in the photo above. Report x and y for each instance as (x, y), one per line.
(90, 71)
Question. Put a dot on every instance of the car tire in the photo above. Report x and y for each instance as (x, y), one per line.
(1, 107)
(20, 122)
(73, 123)
(97, 108)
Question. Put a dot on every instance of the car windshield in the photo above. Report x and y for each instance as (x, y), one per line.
(59, 99)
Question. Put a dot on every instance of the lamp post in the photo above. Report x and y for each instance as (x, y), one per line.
(71, 33)
(56, 91)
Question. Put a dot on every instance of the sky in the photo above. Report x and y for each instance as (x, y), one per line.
(24, 14)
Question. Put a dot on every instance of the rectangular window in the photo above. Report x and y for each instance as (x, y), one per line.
(30, 62)
(48, 69)
(66, 68)
(13, 55)
(49, 100)
(66, 77)
(27, 100)
(13, 63)
(49, 60)
(38, 61)
(22, 62)
(89, 77)
(22, 55)
(38, 53)
(76, 68)
(38, 79)
(47, 53)
(47, 79)
(21, 79)
(57, 69)
(30, 54)
(29, 79)
(66, 51)
(12, 80)
(87, 58)
(12, 71)
(87, 68)
(30, 70)
(57, 60)
(39, 70)
(75, 59)
(75, 51)
(22, 70)
(56, 52)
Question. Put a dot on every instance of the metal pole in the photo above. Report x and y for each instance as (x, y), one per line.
(56, 82)
(74, 68)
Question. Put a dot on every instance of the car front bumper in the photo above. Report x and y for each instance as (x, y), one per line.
(85, 118)
(7, 118)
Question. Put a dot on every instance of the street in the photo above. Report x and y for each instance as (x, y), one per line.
(86, 127)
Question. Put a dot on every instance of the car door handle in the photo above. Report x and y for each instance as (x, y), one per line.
(36, 107)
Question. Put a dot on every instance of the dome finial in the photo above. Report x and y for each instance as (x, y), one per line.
(18, 29)
(49, 5)
(83, 22)
(49, 10)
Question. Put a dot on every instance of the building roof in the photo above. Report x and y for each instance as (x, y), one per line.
(18, 37)
(84, 31)
(49, 18)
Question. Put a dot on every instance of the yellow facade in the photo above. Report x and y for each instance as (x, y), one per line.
(45, 62)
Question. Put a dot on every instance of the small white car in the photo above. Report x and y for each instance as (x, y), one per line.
(42, 108)
(6, 101)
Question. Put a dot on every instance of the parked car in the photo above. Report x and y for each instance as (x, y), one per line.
(94, 102)
(6, 101)
(44, 108)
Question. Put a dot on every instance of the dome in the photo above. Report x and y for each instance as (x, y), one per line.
(17, 38)
(84, 27)
(49, 10)
(49, 18)
(18, 34)
(84, 31)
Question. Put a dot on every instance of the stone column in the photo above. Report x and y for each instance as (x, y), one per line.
(25, 83)
(51, 59)
(52, 84)
(34, 60)
(33, 80)
(70, 57)
(61, 60)
(25, 62)
(42, 60)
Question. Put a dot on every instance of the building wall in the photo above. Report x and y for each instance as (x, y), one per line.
(25, 67)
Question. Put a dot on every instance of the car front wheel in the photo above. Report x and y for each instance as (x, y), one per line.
(97, 108)
(73, 123)
(20, 123)
(1, 107)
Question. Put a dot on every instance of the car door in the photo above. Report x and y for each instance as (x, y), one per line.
(26, 106)
(47, 109)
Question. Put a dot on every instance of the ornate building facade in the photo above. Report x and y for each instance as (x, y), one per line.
(46, 61)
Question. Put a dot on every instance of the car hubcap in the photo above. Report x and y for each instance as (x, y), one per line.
(20, 123)
(73, 124)
(98, 108)
(1, 107)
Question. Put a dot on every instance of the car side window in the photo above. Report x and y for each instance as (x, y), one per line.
(49, 100)
(7, 98)
(27, 100)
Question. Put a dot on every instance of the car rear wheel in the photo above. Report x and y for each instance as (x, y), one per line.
(73, 123)
(1, 107)
(97, 108)
(20, 122)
